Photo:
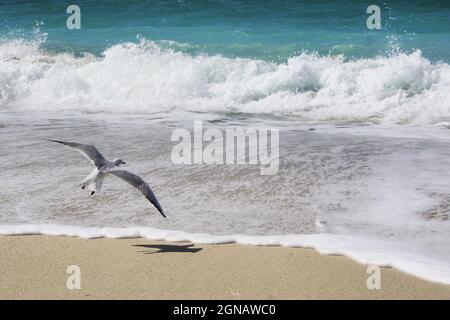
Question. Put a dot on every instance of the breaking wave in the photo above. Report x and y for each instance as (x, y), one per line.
(143, 77)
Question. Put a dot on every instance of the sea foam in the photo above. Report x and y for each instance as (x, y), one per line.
(145, 78)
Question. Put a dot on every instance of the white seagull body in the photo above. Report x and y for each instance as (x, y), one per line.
(105, 167)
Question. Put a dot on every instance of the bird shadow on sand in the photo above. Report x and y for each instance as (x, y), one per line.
(168, 248)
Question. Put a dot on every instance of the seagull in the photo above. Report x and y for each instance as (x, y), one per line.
(105, 167)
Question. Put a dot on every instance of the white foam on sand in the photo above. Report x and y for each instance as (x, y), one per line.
(363, 250)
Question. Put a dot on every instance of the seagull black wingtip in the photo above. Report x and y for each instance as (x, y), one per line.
(157, 206)
(162, 212)
(51, 140)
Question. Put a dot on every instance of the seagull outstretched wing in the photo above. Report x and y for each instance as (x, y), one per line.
(89, 151)
(139, 184)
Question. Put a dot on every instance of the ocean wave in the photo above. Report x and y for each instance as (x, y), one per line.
(362, 250)
(143, 77)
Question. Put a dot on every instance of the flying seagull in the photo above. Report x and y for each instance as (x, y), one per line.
(105, 167)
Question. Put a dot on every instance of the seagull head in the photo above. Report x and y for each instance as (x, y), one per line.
(118, 162)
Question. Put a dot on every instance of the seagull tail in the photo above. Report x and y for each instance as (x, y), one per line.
(93, 181)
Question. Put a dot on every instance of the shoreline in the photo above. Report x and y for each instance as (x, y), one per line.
(35, 267)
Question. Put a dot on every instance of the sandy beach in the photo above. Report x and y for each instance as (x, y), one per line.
(35, 267)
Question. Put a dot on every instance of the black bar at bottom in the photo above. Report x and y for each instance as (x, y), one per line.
(218, 309)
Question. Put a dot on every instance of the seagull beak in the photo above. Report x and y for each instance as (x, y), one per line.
(124, 162)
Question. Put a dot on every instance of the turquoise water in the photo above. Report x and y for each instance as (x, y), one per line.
(311, 60)
(271, 30)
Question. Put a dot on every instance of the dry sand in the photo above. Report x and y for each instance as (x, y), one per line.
(35, 267)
